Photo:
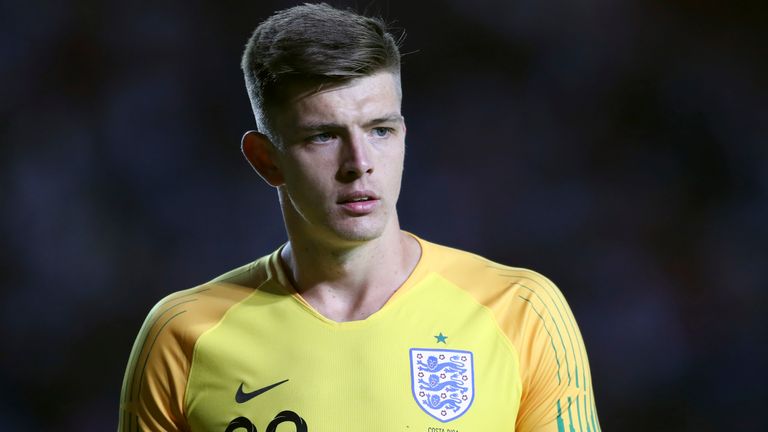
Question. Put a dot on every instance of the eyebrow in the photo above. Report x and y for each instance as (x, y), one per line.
(389, 118)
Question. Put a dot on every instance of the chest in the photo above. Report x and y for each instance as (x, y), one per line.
(415, 369)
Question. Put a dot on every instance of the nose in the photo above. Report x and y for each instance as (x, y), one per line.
(355, 158)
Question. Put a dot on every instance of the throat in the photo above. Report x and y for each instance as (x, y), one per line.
(340, 305)
(355, 284)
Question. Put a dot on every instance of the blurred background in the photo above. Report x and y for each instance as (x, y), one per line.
(620, 148)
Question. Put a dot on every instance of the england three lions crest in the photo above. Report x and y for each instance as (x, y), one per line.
(442, 381)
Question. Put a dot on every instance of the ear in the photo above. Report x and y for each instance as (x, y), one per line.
(260, 153)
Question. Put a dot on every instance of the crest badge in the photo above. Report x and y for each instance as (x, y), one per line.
(442, 381)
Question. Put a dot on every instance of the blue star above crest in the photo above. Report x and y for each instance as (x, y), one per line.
(441, 338)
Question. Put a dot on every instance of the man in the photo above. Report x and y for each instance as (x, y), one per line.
(352, 324)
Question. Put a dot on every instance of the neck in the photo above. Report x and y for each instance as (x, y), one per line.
(351, 281)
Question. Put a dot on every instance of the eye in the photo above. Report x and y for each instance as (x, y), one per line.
(381, 132)
(321, 138)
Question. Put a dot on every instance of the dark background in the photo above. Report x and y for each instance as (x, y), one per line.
(620, 148)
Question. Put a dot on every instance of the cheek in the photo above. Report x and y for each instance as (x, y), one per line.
(307, 171)
(395, 166)
(309, 184)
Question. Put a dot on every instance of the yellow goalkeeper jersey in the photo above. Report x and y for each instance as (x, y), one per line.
(464, 345)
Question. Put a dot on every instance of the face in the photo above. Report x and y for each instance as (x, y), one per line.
(340, 159)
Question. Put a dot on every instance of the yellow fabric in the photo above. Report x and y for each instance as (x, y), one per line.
(512, 357)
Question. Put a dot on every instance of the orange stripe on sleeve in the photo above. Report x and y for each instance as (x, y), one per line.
(155, 380)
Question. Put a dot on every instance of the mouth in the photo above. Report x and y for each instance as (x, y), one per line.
(358, 203)
(357, 197)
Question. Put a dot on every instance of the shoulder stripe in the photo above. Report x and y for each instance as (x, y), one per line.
(146, 359)
(551, 339)
(146, 337)
(578, 412)
(558, 301)
(554, 308)
(557, 327)
(141, 353)
(568, 323)
(560, 424)
(587, 392)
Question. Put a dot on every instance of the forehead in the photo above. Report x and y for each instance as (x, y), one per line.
(353, 102)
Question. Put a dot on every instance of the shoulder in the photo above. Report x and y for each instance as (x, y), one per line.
(155, 380)
(522, 301)
(189, 312)
(482, 276)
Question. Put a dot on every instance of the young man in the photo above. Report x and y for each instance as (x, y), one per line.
(352, 324)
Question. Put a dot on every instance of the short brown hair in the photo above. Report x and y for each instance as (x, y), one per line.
(313, 43)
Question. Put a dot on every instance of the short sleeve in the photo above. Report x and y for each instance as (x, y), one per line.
(155, 379)
(155, 384)
(557, 385)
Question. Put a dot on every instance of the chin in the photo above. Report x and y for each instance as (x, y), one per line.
(359, 233)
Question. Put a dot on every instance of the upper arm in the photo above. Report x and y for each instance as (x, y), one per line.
(155, 384)
(557, 385)
(155, 379)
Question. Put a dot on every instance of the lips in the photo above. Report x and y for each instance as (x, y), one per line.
(358, 203)
(357, 196)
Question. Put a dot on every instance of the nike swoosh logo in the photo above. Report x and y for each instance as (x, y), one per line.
(242, 397)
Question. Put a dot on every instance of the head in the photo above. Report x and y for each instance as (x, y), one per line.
(432, 362)
(325, 89)
(312, 46)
